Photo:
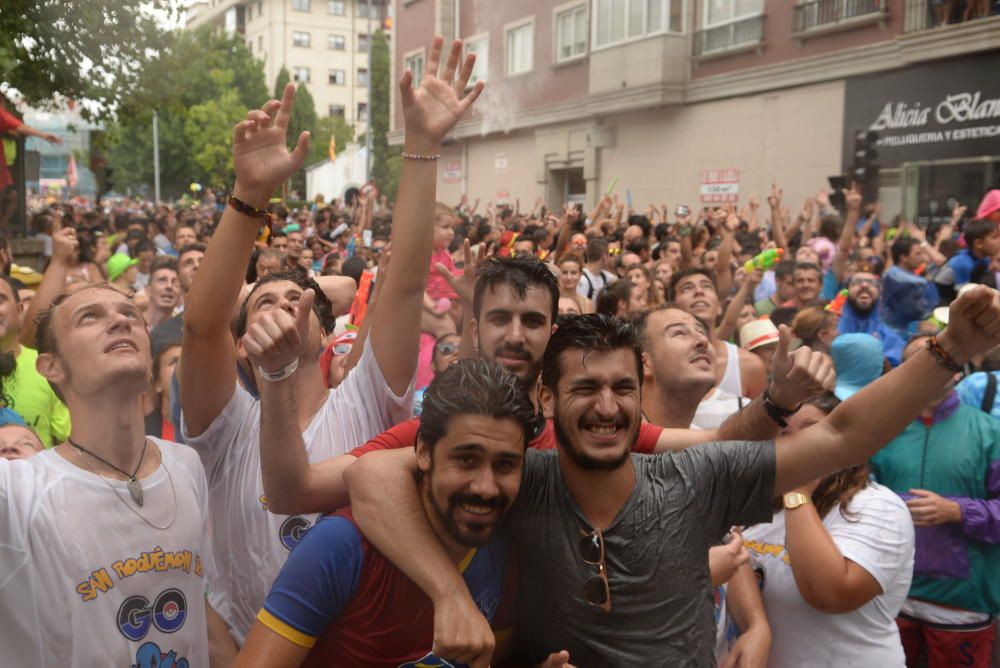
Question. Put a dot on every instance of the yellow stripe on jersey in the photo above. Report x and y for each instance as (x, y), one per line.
(462, 565)
(284, 630)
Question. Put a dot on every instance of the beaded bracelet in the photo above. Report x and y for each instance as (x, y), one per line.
(942, 357)
(246, 209)
(418, 156)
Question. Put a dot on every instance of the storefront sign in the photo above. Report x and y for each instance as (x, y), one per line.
(720, 186)
(452, 172)
(940, 110)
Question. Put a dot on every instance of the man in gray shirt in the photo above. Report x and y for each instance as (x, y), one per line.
(641, 595)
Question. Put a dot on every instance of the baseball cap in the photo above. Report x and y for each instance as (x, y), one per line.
(117, 265)
(757, 333)
(858, 359)
(989, 205)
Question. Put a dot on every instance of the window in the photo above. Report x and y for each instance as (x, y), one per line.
(337, 110)
(571, 33)
(300, 75)
(618, 21)
(724, 11)
(415, 63)
(480, 46)
(362, 112)
(300, 38)
(300, 5)
(337, 77)
(336, 42)
(362, 76)
(520, 48)
(364, 8)
(362, 42)
(336, 7)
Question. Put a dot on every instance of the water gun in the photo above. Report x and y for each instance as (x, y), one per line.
(837, 305)
(765, 260)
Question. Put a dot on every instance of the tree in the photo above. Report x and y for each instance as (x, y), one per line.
(94, 50)
(386, 164)
(303, 119)
(326, 127)
(226, 82)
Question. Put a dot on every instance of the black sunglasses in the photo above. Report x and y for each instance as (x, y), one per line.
(596, 590)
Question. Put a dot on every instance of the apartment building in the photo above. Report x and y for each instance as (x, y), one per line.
(691, 101)
(322, 43)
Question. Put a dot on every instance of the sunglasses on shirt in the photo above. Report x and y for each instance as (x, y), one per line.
(596, 590)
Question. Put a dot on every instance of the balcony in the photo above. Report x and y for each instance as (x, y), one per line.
(825, 16)
(925, 14)
(733, 37)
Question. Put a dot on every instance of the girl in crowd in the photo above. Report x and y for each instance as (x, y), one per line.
(835, 566)
(641, 278)
(816, 327)
(570, 269)
(621, 298)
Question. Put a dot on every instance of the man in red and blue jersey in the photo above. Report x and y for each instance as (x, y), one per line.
(339, 601)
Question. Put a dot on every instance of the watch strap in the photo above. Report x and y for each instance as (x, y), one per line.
(793, 500)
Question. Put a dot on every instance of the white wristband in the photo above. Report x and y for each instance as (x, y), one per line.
(280, 374)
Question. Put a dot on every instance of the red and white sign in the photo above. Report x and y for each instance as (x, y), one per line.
(720, 185)
(452, 172)
(503, 196)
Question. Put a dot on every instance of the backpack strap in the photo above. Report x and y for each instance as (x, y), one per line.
(991, 392)
(590, 285)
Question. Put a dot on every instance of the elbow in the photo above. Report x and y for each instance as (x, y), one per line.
(281, 503)
(828, 599)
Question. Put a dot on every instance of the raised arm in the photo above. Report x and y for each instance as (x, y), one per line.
(724, 262)
(777, 225)
(846, 243)
(65, 249)
(855, 430)
(430, 111)
(727, 328)
(386, 505)
(262, 162)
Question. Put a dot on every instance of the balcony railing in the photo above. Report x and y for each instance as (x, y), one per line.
(925, 14)
(731, 35)
(823, 13)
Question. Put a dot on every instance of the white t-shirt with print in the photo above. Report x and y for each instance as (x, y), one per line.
(251, 542)
(879, 538)
(84, 582)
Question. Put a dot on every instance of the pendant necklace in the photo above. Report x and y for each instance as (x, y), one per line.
(134, 486)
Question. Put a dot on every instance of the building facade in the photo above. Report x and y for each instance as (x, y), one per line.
(691, 101)
(322, 43)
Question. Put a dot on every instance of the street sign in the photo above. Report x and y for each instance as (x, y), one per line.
(720, 186)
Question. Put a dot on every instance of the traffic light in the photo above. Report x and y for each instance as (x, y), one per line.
(864, 168)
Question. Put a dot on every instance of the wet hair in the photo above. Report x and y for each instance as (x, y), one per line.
(592, 332)
(784, 315)
(902, 246)
(520, 273)
(162, 262)
(609, 298)
(684, 273)
(321, 306)
(187, 248)
(976, 230)
(473, 387)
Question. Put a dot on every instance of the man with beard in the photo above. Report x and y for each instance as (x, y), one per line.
(338, 601)
(612, 547)
(861, 315)
(163, 290)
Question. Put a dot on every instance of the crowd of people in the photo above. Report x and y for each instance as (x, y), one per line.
(373, 433)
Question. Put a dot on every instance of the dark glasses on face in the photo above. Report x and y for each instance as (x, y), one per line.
(447, 348)
(858, 280)
(596, 590)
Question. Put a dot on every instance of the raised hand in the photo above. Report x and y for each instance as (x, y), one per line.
(277, 338)
(261, 158)
(799, 376)
(823, 198)
(774, 199)
(438, 103)
(853, 197)
(973, 324)
(463, 284)
(65, 246)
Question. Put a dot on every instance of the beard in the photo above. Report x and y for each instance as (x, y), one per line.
(482, 532)
(862, 310)
(529, 376)
(582, 459)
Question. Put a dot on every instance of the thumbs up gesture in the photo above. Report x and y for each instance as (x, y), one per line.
(278, 336)
(798, 376)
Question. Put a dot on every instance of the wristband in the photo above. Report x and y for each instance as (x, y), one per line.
(942, 357)
(280, 374)
(776, 412)
(246, 209)
(420, 156)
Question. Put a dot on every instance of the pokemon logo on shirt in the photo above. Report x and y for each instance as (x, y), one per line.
(150, 656)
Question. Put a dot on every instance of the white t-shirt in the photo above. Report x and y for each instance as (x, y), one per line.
(716, 409)
(84, 582)
(591, 284)
(879, 538)
(252, 542)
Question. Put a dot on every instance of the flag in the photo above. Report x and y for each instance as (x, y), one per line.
(71, 175)
(333, 148)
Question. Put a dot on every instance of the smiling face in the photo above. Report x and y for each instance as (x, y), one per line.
(677, 355)
(471, 476)
(513, 331)
(807, 285)
(17, 442)
(596, 407)
(863, 292)
(696, 295)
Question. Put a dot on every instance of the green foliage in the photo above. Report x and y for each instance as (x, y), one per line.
(85, 50)
(201, 86)
(279, 84)
(326, 127)
(386, 161)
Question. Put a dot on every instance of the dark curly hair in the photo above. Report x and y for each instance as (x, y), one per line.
(321, 306)
(520, 273)
(592, 332)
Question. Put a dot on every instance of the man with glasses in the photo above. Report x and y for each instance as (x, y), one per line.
(612, 547)
(862, 315)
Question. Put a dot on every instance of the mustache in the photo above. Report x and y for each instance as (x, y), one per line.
(514, 352)
(496, 503)
(620, 421)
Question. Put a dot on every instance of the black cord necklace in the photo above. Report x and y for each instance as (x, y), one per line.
(134, 486)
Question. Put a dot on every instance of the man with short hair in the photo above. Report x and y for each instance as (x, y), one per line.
(269, 261)
(607, 541)
(104, 539)
(907, 296)
(808, 284)
(222, 420)
(296, 243)
(184, 235)
(595, 276)
(18, 441)
(279, 242)
(739, 373)
(861, 315)
(163, 290)
(982, 244)
(337, 600)
(784, 282)
(188, 261)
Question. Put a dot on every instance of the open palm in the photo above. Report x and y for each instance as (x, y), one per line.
(434, 107)
(261, 158)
